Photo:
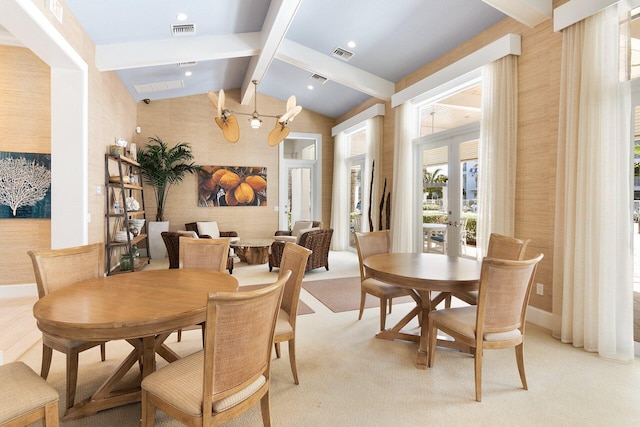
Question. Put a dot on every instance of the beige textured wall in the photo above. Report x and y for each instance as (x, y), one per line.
(25, 110)
(538, 103)
(190, 119)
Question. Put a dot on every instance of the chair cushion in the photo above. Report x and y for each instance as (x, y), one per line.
(209, 228)
(293, 239)
(463, 321)
(22, 390)
(300, 225)
(191, 234)
(382, 289)
(180, 385)
(282, 324)
(438, 238)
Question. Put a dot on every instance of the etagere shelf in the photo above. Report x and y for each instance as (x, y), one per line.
(125, 183)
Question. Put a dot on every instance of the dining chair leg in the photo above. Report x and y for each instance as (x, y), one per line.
(390, 304)
(265, 406)
(72, 376)
(277, 346)
(292, 360)
(103, 351)
(179, 335)
(520, 361)
(47, 354)
(363, 296)
(148, 411)
(383, 313)
(478, 373)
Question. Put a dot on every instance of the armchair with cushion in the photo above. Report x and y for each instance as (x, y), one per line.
(317, 240)
(293, 234)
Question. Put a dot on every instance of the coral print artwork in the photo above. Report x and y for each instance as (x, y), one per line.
(232, 186)
(25, 185)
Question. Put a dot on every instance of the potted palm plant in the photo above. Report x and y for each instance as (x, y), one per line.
(163, 167)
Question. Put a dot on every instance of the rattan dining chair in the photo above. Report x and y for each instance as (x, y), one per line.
(55, 269)
(232, 373)
(497, 321)
(373, 243)
(208, 254)
(500, 247)
(294, 259)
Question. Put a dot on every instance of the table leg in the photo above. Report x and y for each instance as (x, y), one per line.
(421, 363)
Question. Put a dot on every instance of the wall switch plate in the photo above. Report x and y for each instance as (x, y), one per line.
(539, 289)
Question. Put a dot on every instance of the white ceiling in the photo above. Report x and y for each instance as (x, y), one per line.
(280, 43)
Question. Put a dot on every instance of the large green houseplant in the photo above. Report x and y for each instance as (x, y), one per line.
(162, 167)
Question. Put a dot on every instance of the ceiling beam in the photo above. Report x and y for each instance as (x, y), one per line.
(334, 69)
(276, 24)
(120, 56)
(527, 12)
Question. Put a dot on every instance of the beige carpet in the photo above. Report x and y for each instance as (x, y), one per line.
(344, 294)
(302, 307)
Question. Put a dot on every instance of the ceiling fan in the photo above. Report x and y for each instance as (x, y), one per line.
(226, 120)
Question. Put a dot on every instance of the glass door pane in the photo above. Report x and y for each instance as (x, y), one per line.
(299, 194)
(355, 201)
(435, 197)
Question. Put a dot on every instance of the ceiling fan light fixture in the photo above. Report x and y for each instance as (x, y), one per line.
(255, 121)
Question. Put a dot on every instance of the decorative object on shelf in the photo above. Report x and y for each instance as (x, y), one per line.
(132, 204)
(133, 151)
(25, 185)
(229, 124)
(232, 186)
(162, 167)
(137, 224)
(125, 262)
(136, 252)
(121, 236)
(116, 178)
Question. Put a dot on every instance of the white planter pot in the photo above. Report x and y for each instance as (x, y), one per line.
(157, 249)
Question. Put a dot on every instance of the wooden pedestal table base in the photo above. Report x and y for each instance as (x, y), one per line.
(425, 273)
(143, 308)
(253, 251)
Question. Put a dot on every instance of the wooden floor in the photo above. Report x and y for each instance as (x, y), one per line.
(19, 331)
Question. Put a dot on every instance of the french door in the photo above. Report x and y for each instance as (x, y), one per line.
(447, 164)
(300, 178)
(356, 195)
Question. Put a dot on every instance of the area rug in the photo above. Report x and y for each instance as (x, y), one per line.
(302, 307)
(344, 294)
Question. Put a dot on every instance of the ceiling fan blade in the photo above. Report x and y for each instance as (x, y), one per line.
(213, 98)
(291, 102)
(277, 135)
(220, 122)
(290, 114)
(231, 129)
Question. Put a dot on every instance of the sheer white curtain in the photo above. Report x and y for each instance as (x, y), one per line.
(497, 150)
(593, 300)
(339, 201)
(374, 142)
(404, 233)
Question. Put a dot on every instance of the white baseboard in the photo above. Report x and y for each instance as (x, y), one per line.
(540, 317)
(18, 291)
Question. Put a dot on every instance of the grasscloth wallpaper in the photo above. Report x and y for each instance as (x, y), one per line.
(112, 114)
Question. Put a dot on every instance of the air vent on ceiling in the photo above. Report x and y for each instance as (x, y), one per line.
(187, 64)
(318, 78)
(183, 30)
(341, 53)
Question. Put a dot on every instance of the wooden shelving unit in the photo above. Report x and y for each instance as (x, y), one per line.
(118, 216)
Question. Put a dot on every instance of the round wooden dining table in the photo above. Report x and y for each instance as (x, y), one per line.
(143, 308)
(425, 273)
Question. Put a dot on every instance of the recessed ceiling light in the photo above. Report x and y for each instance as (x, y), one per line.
(310, 87)
(188, 73)
(351, 44)
(182, 17)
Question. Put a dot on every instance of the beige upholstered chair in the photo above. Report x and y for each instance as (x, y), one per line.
(498, 321)
(232, 373)
(373, 243)
(56, 269)
(208, 254)
(500, 247)
(294, 259)
(26, 397)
